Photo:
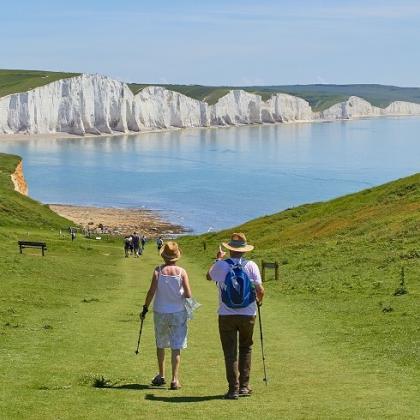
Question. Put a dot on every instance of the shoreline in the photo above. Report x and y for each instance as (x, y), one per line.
(118, 221)
(66, 136)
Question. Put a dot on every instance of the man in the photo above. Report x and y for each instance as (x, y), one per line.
(127, 245)
(136, 244)
(159, 243)
(239, 320)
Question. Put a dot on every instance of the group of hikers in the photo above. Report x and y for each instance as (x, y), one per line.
(240, 290)
(134, 245)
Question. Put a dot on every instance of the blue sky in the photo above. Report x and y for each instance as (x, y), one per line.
(217, 42)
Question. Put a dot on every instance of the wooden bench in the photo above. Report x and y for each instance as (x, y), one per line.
(30, 244)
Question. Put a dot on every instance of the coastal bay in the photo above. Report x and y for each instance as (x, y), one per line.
(208, 179)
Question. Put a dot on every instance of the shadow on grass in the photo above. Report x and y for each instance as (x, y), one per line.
(182, 399)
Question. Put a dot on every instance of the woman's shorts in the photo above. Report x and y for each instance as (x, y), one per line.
(171, 330)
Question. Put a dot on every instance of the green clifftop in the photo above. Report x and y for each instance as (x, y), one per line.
(14, 81)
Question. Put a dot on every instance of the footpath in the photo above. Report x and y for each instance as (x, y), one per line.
(93, 341)
(308, 378)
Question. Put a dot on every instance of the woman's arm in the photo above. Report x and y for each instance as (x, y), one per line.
(152, 289)
(186, 284)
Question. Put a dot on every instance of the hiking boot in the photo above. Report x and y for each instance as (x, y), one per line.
(244, 391)
(158, 380)
(231, 395)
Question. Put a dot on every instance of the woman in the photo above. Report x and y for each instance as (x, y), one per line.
(169, 287)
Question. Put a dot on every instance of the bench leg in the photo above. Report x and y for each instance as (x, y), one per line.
(20, 248)
(42, 251)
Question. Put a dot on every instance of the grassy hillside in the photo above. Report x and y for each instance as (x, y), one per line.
(14, 81)
(17, 210)
(341, 263)
(339, 343)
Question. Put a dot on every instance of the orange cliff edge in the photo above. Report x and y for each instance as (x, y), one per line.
(18, 180)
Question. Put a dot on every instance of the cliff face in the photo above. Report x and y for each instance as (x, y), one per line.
(79, 105)
(97, 104)
(157, 107)
(18, 180)
(402, 108)
(240, 107)
(354, 107)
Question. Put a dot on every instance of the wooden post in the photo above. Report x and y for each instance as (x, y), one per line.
(276, 272)
(263, 270)
(204, 245)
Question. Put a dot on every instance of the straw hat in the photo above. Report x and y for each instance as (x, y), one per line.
(170, 251)
(238, 243)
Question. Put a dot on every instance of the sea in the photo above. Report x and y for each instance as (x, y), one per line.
(214, 178)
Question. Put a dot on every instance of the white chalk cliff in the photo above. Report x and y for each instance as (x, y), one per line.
(97, 104)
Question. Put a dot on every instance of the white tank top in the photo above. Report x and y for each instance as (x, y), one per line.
(169, 296)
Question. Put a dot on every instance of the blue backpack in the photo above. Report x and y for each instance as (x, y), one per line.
(238, 291)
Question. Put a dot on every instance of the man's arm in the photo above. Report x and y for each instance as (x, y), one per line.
(219, 256)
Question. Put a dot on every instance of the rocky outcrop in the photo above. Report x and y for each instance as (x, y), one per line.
(94, 104)
(18, 180)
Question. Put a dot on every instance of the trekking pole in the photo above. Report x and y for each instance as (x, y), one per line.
(141, 329)
(262, 344)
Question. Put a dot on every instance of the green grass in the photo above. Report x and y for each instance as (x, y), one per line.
(69, 321)
(14, 81)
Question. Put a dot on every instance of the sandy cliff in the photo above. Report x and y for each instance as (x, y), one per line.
(18, 180)
(97, 104)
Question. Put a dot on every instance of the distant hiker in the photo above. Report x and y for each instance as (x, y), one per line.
(143, 242)
(159, 243)
(73, 234)
(170, 287)
(135, 240)
(127, 245)
(240, 289)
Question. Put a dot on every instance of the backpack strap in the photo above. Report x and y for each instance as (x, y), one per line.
(242, 262)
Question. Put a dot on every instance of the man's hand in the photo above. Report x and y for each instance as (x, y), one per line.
(144, 312)
(220, 253)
